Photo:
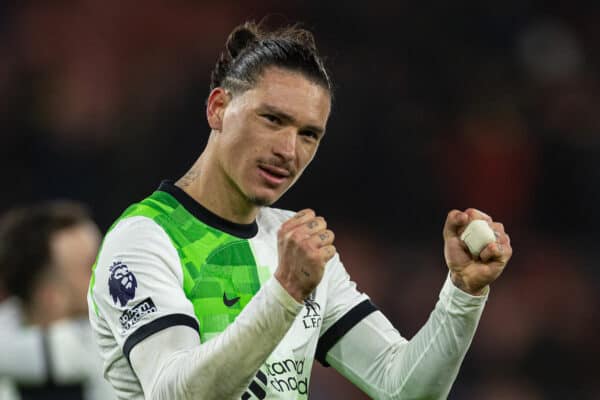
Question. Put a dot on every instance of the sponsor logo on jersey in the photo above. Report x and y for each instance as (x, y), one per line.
(283, 376)
(230, 302)
(287, 376)
(121, 283)
(131, 317)
(312, 317)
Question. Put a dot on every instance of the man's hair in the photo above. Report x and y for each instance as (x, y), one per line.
(25, 236)
(250, 49)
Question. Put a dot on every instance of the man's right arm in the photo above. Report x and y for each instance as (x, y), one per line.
(173, 365)
(166, 355)
(163, 351)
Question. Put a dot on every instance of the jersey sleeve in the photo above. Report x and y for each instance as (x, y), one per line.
(346, 307)
(376, 358)
(137, 283)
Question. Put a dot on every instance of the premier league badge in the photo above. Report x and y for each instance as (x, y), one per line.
(121, 283)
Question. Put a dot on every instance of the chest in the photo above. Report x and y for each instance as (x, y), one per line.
(221, 280)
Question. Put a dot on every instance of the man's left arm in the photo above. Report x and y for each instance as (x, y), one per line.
(375, 357)
(365, 347)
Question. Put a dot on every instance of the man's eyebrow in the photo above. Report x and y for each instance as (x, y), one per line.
(288, 118)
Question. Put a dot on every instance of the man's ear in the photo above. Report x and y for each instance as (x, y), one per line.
(215, 107)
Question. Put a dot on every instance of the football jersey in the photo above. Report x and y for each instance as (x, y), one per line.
(206, 270)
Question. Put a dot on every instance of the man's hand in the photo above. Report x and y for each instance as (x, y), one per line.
(469, 274)
(305, 245)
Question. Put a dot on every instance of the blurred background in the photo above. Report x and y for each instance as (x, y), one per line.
(439, 105)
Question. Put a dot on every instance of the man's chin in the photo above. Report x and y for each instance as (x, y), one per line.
(262, 201)
(263, 198)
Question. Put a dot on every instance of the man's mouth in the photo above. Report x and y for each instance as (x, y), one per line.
(273, 175)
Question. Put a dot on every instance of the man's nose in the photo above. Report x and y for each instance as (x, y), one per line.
(285, 145)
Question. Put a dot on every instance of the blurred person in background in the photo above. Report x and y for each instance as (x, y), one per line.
(7, 316)
(46, 251)
(203, 291)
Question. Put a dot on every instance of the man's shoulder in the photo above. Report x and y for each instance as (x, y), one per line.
(134, 234)
(129, 227)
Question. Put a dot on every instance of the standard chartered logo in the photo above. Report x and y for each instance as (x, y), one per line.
(287, 375)
(283, 376)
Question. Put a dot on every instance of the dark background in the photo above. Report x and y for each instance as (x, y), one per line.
(439, 105)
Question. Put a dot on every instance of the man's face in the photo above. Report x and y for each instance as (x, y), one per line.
(270, 133)
(73, 253)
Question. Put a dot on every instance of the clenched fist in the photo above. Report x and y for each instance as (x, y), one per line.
(305, 245)
(469, 273)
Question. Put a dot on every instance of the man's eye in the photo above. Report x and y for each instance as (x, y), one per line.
(272, 118)
(310, 134)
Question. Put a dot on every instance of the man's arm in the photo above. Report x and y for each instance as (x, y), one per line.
(173, 365)
(373, 355)
(376, 358)
(166, 355)
(163, 347)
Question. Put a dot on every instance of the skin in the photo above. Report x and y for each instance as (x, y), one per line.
(61, 292)
(276, 125)
(261, 141)
(74, 250)
(473, 275)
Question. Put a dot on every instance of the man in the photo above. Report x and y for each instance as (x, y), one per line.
(45, 254)
(202, 291)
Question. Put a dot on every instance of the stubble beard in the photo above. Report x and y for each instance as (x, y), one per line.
(260, 201)
(264, 201)
(256, 200)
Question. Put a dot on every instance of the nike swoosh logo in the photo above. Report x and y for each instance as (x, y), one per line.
(230, 302)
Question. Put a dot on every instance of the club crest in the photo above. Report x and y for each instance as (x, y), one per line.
(121, 283)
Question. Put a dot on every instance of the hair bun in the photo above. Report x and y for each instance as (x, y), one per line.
(251, 47)
(241, 37)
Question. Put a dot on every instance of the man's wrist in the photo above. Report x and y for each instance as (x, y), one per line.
(275, 289)
(296, 294)
(461, 284)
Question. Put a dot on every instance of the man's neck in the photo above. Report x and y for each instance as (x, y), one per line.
(206, 184)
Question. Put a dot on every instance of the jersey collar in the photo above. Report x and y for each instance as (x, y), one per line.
(245, 231)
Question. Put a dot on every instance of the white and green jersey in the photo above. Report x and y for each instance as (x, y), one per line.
(212, 268)
(168, 263)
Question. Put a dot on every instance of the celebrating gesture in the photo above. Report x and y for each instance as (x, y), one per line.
(234, 298)
(469, 273)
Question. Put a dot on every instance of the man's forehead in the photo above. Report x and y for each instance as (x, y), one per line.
(275, 77)
(75, 240)
(293, 93)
